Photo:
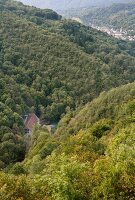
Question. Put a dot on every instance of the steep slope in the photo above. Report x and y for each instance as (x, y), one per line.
(50, 66)
(109, 105)
(42, 49)
(106, 114)
(96, 163)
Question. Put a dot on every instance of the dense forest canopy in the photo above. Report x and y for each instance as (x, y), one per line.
(57, 68)
(96, 161)
(50, 66)
(107, 105)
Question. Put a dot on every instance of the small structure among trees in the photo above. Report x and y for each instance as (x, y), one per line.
(30, 121)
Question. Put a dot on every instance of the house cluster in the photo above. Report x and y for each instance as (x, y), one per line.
(119, 34)
(31, 120)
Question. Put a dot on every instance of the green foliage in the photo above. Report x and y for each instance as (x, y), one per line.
(17, 187)
(12, 148)
(58, 64)
(51, 66)
(112, 105)
(64, 178)
(100, 129)
(97, 162)
(17, 169)
(42, 145)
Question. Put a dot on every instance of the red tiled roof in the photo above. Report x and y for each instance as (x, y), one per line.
(31, 121)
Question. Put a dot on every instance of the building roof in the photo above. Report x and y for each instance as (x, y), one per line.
(31, 121)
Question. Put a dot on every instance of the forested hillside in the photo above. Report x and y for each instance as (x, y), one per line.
(75, 76)
(50, 66)
(96, 162)
(116, 16)
(109, 105)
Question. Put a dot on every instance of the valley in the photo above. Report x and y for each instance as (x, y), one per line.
(119, 34)
(117, 19)
(67, 105)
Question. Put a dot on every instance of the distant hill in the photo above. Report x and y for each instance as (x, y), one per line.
(66, 4)
(116, 16)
